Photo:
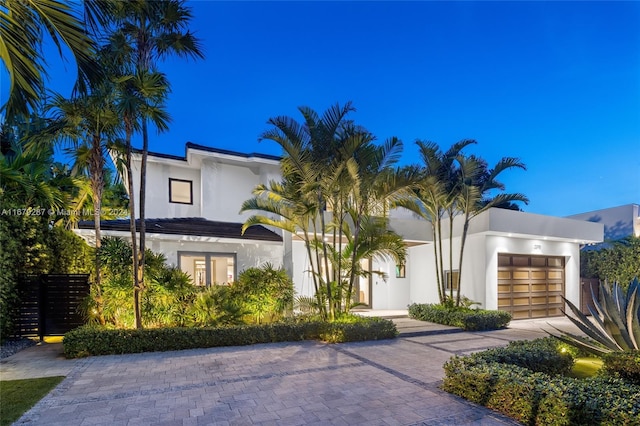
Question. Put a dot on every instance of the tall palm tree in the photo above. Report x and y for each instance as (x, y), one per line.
(434, 198)
(141, 97)
(23, 23)
(147, 32)
(474, 196)
(333, 179)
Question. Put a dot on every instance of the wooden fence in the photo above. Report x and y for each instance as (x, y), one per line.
(50, 304)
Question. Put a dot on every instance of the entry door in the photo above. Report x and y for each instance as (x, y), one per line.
(531, 286)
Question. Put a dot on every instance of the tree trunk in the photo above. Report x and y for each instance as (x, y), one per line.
(143, 194)
(134, 242)
(96, 170)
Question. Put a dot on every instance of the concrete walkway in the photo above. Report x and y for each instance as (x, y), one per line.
(392, 382)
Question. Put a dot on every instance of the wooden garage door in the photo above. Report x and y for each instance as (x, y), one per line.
(530, 286)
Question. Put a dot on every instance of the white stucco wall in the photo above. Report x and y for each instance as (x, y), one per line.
(157, 200)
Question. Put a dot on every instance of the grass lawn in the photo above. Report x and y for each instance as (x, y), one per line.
(18, 396)
(585, 367)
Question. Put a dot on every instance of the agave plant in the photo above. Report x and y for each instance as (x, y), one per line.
(614, 325)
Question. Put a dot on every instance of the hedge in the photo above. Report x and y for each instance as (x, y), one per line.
(526, 381)
(625, 365)
(539, 399)
(540, 355)
(92, 340)
(465, 318)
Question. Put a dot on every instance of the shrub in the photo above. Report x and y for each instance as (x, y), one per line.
(266, 293)
(466, 318)
(625, 365)
(536, 398)
(94, 340)
(540, 355)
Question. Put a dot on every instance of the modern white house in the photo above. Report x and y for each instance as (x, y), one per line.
(619, 222)
(516, 261)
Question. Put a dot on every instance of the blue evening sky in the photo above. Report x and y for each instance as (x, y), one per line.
(556, 84)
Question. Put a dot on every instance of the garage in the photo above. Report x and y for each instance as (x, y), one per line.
(531, 286)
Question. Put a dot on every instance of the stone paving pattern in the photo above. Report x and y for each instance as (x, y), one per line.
(390, 382)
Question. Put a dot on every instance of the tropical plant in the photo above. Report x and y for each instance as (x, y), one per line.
(334, 194)
(617, 261)
(266, 292)
(614, 324)
(435, 193)
(23, 24)
(476, 182)
(145, 32)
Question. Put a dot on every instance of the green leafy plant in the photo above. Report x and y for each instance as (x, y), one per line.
(265, 292)
(625, 365)
(614, 324)
(466, 318)
(535, 398)
(96, 340)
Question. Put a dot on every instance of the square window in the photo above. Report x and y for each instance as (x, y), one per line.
(180, 191)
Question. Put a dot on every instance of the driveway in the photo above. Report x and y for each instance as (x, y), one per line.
(392, 382)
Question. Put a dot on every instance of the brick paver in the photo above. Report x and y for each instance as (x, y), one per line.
(392, 382)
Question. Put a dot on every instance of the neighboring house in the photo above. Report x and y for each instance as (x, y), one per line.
(619, 222)
(520, 262)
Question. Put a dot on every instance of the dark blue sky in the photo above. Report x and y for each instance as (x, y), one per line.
(556, 84)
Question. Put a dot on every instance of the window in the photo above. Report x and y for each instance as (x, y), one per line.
(455, 275)
(206, 269)
(180, 191)
(401, 271)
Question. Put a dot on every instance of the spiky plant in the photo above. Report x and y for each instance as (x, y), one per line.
(614, 325)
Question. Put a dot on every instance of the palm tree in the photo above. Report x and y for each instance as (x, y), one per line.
(22, 26)
(148, 31)
(434, 198)
(333, 179)
(140, 97)
(474, 194)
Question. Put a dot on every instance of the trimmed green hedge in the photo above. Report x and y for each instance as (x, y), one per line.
(623, 364)
(540, 355)
(466, 318)
(92, 340)
(539, 399)
(526, 381)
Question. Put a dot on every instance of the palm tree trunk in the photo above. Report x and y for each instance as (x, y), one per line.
(463, 240)
(96, 170)
(134, 237)
(143, 193)
(451, 253)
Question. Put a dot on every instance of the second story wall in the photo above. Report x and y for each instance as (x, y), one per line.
(208, 184)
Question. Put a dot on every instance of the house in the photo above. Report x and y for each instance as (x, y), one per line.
(520, 262)
(619, 222)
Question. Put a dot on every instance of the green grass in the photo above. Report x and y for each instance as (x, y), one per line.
(18, 396)
(585, 367)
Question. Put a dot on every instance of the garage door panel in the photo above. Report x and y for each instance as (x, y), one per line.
(538, 275)
(530, 286)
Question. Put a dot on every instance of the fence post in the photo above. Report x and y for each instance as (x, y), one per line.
(42, 300)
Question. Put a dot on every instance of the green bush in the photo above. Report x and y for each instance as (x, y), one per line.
(625, 365)
(539, 399)
(540, 355)
(465, 318)
(94, 340)
(265, 292)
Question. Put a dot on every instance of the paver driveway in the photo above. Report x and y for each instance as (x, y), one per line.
(390, 382)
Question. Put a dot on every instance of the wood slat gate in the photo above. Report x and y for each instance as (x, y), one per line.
(50, 304)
